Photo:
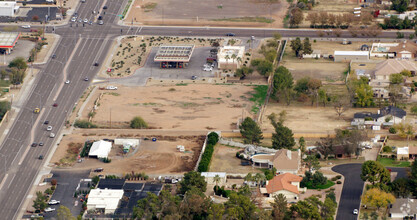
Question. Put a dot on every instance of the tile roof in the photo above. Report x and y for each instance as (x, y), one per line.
(283, 182)
(392, 66)
(281, 160)
(404, 46)
(412, 150)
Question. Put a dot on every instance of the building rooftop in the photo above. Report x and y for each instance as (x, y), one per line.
(111, 183)
(178, 53)
(351, 53)
(8, 39)
(404, 206)
(389, 110)
(402, 150)
(213, 174)
(104, 198)
(133, 186)
(392, 66)
(286, 160)
(283, 182)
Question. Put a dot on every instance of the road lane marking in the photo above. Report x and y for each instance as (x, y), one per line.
(14, 175)
(138, 30)
(32, 136)
(4, 180)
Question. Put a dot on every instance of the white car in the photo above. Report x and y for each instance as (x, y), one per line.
(86, 20)
(26, 26)
(73, 19)
(49, 128)
(54, 202)
(51, 135)
(355, 211)
(208, 69)
(111, 87)
(67, 82)
(49, 209)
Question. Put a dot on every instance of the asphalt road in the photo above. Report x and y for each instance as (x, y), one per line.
(351, 192)
(78, 49)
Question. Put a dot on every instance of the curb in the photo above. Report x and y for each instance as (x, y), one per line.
(53, 48)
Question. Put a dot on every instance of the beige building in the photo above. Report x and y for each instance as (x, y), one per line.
(388, 67)
(287, 184)
(230, 57)
(285, 161)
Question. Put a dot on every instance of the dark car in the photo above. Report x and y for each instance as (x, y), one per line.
(193, 77)
(96, 64)
(40, 157)
(97, 170)
(53, 56)
(46, 122)
(41, 144)
(100, 18)
(105, 7)
(55, 105)
(230, 34)
(34, 144)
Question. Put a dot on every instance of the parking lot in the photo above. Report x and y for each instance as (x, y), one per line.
(22, 49)
(153, 70)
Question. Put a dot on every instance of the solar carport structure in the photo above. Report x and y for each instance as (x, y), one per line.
(174, 56)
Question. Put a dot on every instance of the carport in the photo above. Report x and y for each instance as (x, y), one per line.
(8, 40)
(174, 56)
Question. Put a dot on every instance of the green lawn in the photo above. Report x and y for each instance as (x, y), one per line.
(389, 162)
(4, 83)
(258, 97)
(325, 186)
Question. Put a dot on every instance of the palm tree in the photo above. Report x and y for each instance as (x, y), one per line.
(249, 42)
(233, 58)
(227, 60)
(259, 177)
(216, 179)
(248, 177)
(239, 60)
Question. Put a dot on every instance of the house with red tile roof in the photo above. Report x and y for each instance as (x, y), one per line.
(287, 184)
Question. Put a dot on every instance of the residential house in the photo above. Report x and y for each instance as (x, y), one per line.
(402, 153)
(404, 50)
(284, 161)
(387, 116)
(287, 184)
(403, 208)
(412, 152)
(388, 67)
(210, 177)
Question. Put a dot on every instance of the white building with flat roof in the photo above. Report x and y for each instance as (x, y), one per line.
(230, 57)
(341, 56)
(8, 8)
(100, 149)
(104, 200)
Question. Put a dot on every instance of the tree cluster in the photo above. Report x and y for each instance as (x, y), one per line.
(16, 71)
(329, 20)
(313, 181)
(250, 131)
(313, 208)
(375, 173)
(138, 123)
(297, 46)
(212, 140)
(283, 136)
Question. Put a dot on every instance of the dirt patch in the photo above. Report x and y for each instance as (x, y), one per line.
(224, 160)
(151, 157)
(181, 107)
(132, 52)
(307, 119)
(190, 13)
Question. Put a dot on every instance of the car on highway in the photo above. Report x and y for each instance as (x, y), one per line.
(46, 122)
(75, 14)
(40, 157)
(36, 110)
(26, 26)
(73, 19)
(49, 209)
(83, 1)
(51, 135)
(85, 79)
(100, 18)
(193, 77)
(100, 22)
(55, 105)
(41, 144)
(105, 7)
(355, 211)
(86, 20)
(34, 144)
(53, 202)
(80, 20)
(67, 82)
(96, 64)
(230, 34)
(49, 128)
(98, 170)
(53, 56)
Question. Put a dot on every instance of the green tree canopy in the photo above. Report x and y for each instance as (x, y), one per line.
(364, 95)
(400, 5)
(374, 172)
(250, 131)
(262, 66)
(19, 63)
(64, 213)
(191, 180)
(138, 122)
(396, 78)
(307, 46)
(283, 84)
(296, 46)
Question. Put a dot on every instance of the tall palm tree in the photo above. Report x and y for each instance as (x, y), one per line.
(239, 60)
(250, 43)
(233, 58)
(259, 177)
(227, 60)
(216, 179)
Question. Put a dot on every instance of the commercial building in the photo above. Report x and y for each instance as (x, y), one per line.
(174, 56)
(100, 149)
(8, 40)
(104, 200)
(8, 8)
(346, 56)
(230, 57)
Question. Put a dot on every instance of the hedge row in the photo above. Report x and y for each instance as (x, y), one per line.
(212, 140)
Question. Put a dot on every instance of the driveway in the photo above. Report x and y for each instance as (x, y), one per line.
(352, 190)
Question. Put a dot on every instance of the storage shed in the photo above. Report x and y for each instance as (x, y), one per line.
(346, 56)
(100, 149)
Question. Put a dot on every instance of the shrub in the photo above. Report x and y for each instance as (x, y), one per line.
(339, 177)
(54, 182)
(387, 149)
(339, 182)
(392, 130)
(212, 140)
(138, 122)
(334, 178)
(53, 188)
(84, 124)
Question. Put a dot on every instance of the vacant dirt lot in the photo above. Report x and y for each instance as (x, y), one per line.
(184, 12)
(180, 107)
(307, 119)
(151, 157)
(224, 160)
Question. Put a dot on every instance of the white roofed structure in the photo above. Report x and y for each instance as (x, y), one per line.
(209, 177)
(105, 200)
(340, 56)
(100, 149)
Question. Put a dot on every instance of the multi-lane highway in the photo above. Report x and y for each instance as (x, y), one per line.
(77, 50)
